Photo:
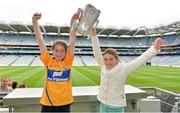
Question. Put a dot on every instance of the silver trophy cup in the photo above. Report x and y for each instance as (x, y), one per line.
(88, 19)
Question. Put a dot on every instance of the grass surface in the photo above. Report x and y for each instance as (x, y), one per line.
(147, 76)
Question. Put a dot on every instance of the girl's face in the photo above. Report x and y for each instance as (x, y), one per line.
(59, 52)
(110, 61)
(5, 82)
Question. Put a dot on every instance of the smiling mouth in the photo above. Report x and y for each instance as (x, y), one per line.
(60, 57)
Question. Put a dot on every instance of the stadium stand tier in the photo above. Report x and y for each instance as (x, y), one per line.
(18, 46)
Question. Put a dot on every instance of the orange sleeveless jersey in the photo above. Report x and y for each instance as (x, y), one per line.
(57, 89)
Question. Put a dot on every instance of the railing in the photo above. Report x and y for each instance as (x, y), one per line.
(170, 101)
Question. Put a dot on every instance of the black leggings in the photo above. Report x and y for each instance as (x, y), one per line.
(65, 108)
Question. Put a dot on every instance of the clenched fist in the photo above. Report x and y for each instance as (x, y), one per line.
(158, 43)
(36, 17)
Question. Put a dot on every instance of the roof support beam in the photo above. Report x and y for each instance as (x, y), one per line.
(101, 31)
(12, 28)
(27, 28)
(44, 30)
(114, 32)
(59, 31)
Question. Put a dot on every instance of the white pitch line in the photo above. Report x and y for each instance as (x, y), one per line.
(87, 78)
(30, 75)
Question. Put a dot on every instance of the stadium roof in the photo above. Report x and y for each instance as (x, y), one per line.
(17, 27)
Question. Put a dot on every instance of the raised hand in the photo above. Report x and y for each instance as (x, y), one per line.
(73, 19)
(37, 31)
(93, 32)
(73, 30)
(158, 43)
(36, 16)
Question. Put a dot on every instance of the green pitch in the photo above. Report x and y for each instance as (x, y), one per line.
(147, 76)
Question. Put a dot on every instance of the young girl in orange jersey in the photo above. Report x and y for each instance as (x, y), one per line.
(57, 92)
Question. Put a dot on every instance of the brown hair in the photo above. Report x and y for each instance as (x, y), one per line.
(5, 77)
(112, 52)
(22, 85)
(61, 42)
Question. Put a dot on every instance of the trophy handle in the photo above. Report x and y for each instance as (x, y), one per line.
(97, 22)
(81, 13)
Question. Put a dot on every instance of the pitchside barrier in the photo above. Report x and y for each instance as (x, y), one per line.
(139, 100)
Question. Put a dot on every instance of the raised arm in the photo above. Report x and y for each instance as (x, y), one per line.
(73, 30)
(149, 54)
(96, 47)
(38, 34)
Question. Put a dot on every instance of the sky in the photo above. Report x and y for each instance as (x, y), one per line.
(114, 13)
